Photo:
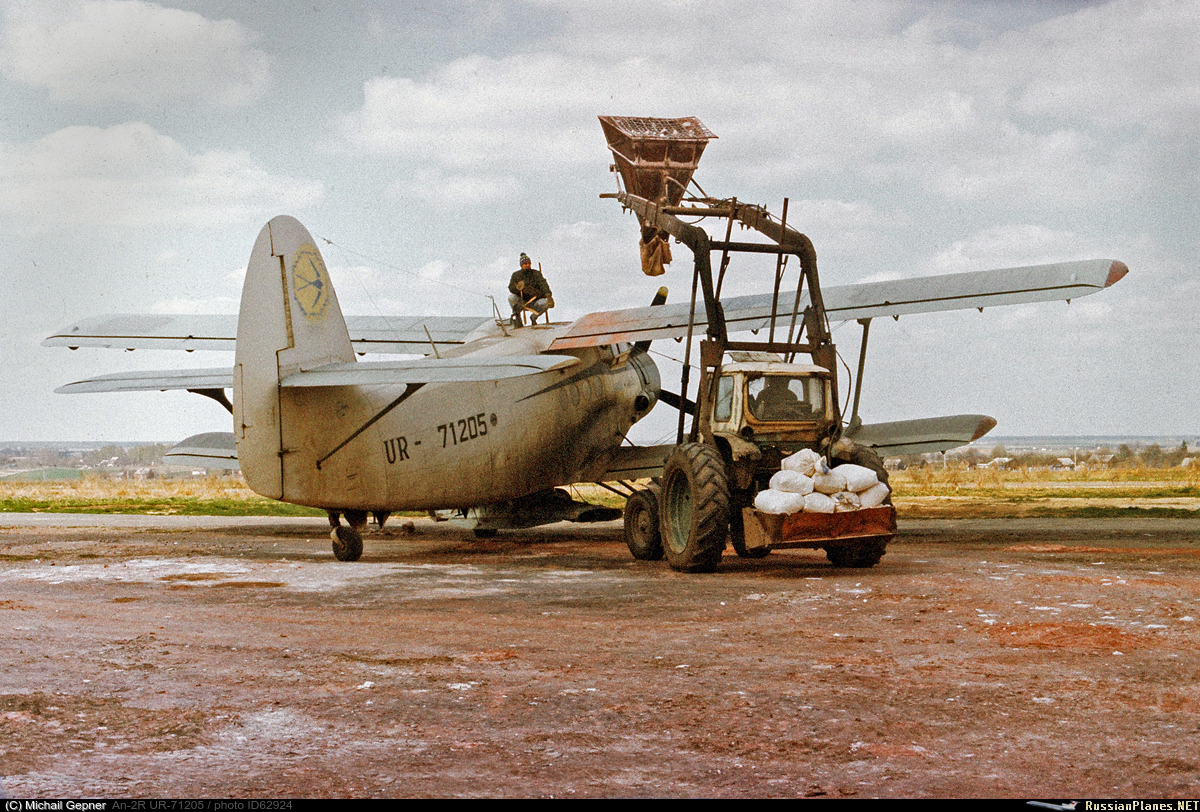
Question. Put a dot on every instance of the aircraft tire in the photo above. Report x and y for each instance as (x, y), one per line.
(642, 532)
(485, 532)
(857, 556)
(347, 544)
(694, 508)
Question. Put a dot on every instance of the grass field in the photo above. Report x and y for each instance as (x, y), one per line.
(922, 493)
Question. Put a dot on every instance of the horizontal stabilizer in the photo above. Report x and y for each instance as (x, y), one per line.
(153, 380)
(636, 462)
(959, 291)
(922, 436)
(429, 370)
(214, 450)
(400, 334)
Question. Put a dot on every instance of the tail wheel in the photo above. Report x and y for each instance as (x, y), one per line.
(694, 510)
(642, 525)
(856, 555)
(347, 544)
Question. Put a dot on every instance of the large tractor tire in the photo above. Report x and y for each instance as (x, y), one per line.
(867, 457)
(642, 532)
(694, 509)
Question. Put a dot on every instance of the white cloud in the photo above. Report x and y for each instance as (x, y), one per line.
(1012, 245)
(888, 92)
(101, 51)
(454, 191)
(130, 175)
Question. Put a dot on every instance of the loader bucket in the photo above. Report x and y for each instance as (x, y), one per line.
(656, 156)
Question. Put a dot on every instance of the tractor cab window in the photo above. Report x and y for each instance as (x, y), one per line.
(786, 397)
(724, 408)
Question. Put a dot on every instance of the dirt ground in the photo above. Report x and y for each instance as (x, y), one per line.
(183, 657)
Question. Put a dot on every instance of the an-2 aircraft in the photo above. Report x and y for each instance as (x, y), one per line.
(494, 418)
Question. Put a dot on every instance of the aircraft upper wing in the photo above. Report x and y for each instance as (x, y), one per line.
(959, 291)
(401, 334)
(420, 370)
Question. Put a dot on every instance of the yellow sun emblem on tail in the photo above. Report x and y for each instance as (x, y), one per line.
(310, 282)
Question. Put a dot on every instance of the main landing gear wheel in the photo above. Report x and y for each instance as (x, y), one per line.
(860, 555)
(642, 532)
(485, 532)
(694, 512)
(347, 544)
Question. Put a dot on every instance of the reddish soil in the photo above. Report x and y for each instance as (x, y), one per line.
(181, 658)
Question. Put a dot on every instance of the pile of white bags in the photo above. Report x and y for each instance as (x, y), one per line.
(807, 483)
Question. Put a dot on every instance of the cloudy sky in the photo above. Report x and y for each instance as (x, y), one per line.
(143, 145)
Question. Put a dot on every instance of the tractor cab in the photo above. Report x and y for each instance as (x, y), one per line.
(774, 401)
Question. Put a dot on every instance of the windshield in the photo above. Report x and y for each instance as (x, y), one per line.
(786, 397)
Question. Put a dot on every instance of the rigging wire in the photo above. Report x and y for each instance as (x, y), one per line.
(390, 266)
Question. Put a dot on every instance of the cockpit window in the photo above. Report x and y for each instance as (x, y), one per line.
(785, 397)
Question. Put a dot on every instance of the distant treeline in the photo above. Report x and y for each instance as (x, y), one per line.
(112, 456)
(1124, 456)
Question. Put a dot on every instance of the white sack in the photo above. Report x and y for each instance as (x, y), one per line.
(772, 501)
(792, 482)
(846, 501)
(806, 461)
(829, 483)
(858, 477)
(819, 503)
(873, 497)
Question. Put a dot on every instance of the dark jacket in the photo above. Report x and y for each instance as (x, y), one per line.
(536, 286)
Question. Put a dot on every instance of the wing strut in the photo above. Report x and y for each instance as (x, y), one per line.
(855, 420)
(216, 394)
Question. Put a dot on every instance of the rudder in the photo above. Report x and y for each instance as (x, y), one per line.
(289, 321)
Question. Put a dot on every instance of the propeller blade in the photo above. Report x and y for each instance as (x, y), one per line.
(660, 298)
(672, 399)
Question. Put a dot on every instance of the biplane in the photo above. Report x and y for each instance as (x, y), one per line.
(492, 419)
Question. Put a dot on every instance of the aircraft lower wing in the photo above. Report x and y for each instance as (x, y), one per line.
(1060, 281)
(429, 370)
(152, 380)
(213, 450)
(636, 462)
(402, 334)
(922, 436)
(372, 373)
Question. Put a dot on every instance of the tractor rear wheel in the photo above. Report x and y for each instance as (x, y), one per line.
(859, 555)
(694, 508)
(642, 533)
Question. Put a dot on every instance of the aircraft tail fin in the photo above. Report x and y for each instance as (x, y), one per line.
(289, 322)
